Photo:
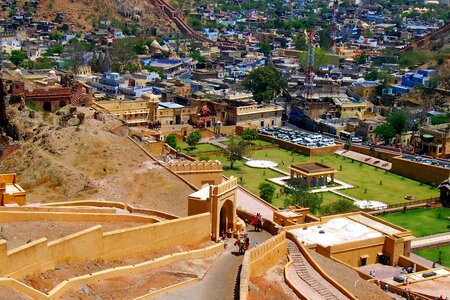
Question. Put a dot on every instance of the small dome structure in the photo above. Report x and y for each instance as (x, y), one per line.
(155, 45)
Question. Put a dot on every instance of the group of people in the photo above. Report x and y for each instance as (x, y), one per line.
(243, 242)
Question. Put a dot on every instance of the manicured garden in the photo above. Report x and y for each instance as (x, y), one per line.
(370, 183)
(422, 221)
(433, 254)
(253, 143)
(199, 148)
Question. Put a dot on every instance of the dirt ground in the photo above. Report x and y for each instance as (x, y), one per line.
(7, 293)
(129, 287)
(83, 13)
(60, 163)
(20, 233)
(350, 279)
(153, 279)
(271, 286)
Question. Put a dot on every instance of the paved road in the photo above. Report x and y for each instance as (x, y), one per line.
(430, 241)
(221, 281)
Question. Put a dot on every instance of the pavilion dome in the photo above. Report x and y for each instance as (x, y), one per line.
(165, 49)
(155, 45)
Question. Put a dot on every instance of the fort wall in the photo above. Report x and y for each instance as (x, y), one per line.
(429, 174)
(260, 259)
(74, 283)
(93, 243)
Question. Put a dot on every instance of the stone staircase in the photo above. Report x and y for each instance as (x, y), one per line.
(300, 266)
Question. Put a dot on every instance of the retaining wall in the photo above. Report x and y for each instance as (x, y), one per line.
(75, 283)
(260, 259)
(90, 244)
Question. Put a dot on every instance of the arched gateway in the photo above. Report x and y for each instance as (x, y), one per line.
(220, 201)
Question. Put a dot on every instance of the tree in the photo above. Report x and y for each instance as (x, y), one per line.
(122, 54)
(75, 50)
(57, 36)
(399, 121)
(372, 75)
(249, 134)
(300, 42)
(299, 194)
(235, 151)
(197, 56)
(54, 49)
(171, 140)
(193, 138)
(338, 207)
(266, 191)
(265, 83)
(17, 57)
(386, 131)
(264, 48)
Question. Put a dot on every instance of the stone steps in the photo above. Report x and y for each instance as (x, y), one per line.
(302, 271)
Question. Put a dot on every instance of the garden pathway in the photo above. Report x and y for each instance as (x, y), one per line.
(431, 241)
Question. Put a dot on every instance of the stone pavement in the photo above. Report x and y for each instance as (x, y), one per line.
(369, 160)
(221, 282)
(431, 240)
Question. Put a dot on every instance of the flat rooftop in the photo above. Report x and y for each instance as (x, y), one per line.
(170, 105)
(201, 194)
(386, 229)
(312, 167)
(334, 232)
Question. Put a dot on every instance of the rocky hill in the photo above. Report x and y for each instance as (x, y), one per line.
(60, 159)
(82, 14)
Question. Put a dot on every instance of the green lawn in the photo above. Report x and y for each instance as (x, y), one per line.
(366, 179)
(433, 254)
(252, 177)
(200, 148)
(254, 143)
(422, 221)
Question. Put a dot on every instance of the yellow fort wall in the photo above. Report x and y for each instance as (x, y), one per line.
(93, 243)
(74, 283)
(260, 259)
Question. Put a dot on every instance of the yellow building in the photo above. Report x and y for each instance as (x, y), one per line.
(351, 109)
(365, 89)
(148, 108)
(256, 115)
(10, 191)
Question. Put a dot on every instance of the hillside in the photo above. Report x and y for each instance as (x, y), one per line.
(82, 14)
(60, 161)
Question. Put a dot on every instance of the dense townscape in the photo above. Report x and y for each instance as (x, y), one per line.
(173, 149)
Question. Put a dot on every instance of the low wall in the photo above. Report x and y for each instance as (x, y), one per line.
(429, 174)
(290, 282)
(266, 255)
(378, 153)
(317, 151)
(26, 216)
(260, 259)
(111, 204)
(74, 283)
(93, 243)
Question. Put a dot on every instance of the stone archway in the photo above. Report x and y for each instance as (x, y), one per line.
(226, 220)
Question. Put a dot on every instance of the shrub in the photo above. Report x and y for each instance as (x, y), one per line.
(171, 140)
(266, 191)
